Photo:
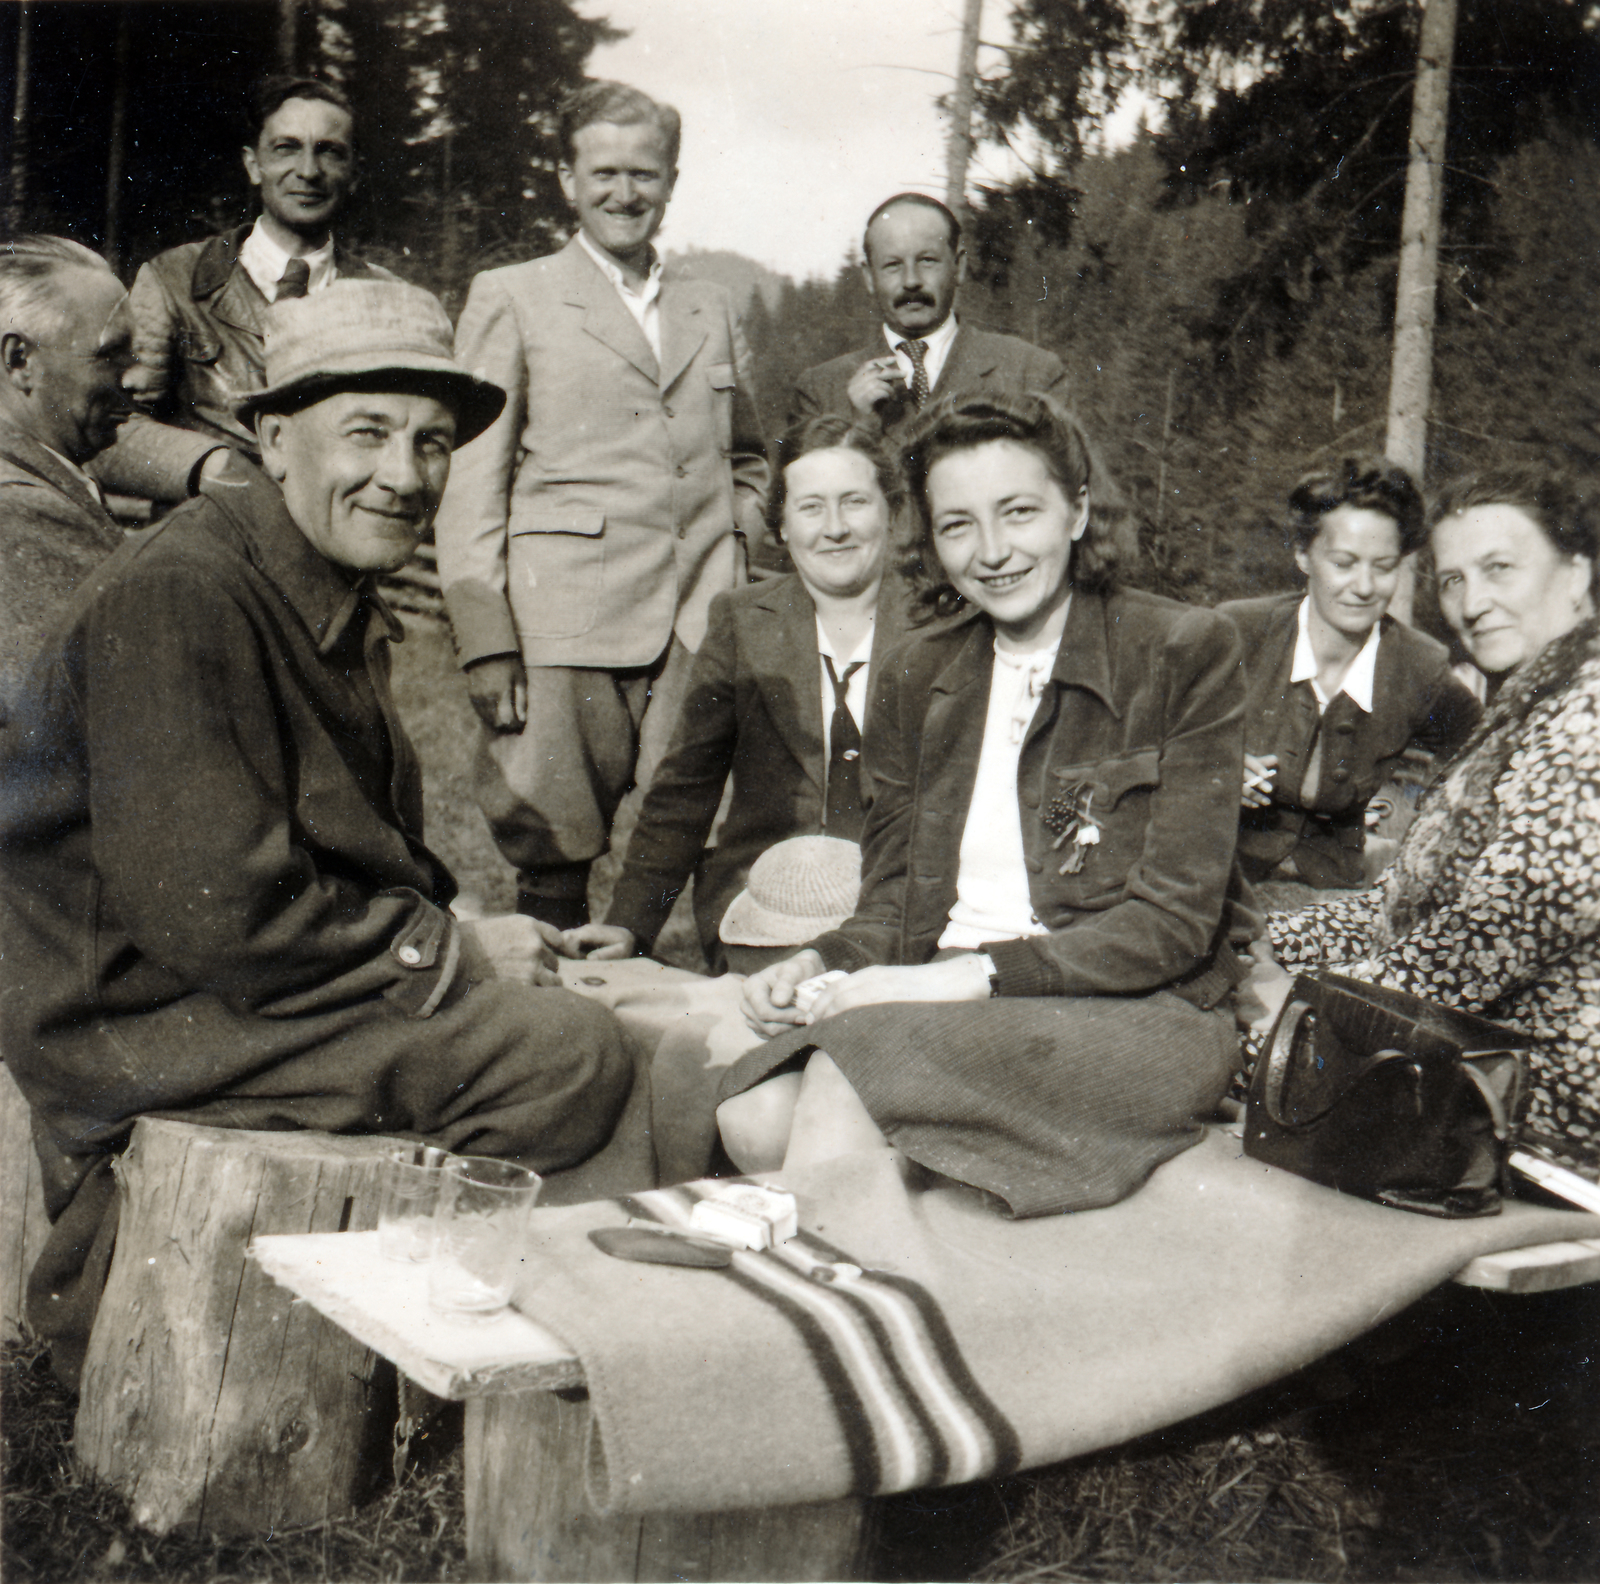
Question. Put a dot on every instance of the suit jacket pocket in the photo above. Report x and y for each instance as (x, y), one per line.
(723, 382)
(555, 569)
(1110, 799)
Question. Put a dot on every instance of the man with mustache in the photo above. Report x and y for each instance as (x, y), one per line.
(913, 264)
(215, 897)
(585, 535)
(199, 309)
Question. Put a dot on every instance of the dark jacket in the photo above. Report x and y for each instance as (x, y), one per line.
(1146, 709)
(53, 532)
(753, 710)
(979, 360)
(199, 333)
(1416, 702)
(210, 825)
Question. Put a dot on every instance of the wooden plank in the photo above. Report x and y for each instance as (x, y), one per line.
(1545, 1267)
(23, 1223)
(385, 1305)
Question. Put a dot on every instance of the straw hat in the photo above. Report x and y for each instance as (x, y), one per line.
(360, 335)
(795, 891)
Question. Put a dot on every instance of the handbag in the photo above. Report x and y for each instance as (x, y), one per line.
(1390, 1097)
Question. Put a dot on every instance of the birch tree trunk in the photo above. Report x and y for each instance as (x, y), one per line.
(1411, 373)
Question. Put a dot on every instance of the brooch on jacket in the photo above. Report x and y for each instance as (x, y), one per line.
(1068, 815)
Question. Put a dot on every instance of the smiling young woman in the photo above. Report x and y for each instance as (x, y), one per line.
(1039, 970)
(1338, 691)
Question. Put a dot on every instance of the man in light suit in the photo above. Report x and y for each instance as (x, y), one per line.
(584, 536)
(913, 265)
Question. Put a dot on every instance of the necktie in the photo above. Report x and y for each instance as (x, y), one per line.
(919, 371)
(296, 279)
(843, 818)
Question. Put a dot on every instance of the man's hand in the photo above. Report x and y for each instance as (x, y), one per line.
(498, 687)
(768, 1000)
(1259, 769)
(954, 979)
(875, 381)
(521, 949)
(600, 942)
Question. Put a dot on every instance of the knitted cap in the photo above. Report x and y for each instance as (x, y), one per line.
(795, 891)
(354, 333)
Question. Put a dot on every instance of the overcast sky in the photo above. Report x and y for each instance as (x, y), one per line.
(799, 116)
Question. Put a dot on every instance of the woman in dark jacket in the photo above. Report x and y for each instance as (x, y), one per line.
(1338, 690)
(755, 707)
(1037, 980)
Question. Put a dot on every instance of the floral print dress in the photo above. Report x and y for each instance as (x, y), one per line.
(1505, 917)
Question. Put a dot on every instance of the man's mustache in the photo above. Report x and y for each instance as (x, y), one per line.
(905, 299)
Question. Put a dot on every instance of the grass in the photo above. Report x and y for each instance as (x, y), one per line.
(1459, 1442)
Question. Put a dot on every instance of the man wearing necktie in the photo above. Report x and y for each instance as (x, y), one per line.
(199, 310)
(913, 264)
(585, 535)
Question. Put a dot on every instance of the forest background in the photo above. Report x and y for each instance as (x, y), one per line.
(1221, 290)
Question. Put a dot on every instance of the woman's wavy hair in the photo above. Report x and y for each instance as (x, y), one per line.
(1562, 506)
(1364, 481)
(962, 421)
(827, 432)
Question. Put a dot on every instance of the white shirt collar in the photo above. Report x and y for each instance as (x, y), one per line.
(862, 651)
(264, 262)
(613, 272)
(938, 342)
(1358, 680)
(77, 472)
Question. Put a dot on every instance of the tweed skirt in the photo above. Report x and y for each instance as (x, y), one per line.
(1049, 1103)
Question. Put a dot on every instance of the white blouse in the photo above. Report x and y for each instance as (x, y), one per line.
(992, 898)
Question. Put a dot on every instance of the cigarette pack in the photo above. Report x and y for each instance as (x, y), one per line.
(747, 1215)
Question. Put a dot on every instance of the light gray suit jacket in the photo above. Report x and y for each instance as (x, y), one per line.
(596, 517)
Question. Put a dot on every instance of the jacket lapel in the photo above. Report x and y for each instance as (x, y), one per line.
(966, 365)
(235, 299)
(604, 315)
(24, 452)
(790, 677)
(683, 333)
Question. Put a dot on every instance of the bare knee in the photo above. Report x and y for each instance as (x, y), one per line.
(755, 1125)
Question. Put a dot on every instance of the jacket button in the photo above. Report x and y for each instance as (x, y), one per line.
(1035, 866)
(1030, 798)
(667, 409)
(1341, 774)
(680, 470)
(1345, 727)
(409, 955)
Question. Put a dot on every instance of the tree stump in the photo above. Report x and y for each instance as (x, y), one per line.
(23, 1224)
(211, 1399)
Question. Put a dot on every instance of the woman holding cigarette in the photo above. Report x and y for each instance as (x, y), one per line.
(1338, 690)
(1036, 986)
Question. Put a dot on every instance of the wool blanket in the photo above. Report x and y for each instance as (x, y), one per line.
(909, 1338)
(693, 1029)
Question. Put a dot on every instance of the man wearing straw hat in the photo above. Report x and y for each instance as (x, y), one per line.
(215, 896)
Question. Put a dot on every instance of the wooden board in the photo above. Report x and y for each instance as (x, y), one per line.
(1545, 1267)
(384, 1305)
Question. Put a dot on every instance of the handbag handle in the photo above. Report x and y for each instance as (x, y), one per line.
(1283, 1038)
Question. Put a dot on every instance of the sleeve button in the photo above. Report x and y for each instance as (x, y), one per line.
(409, 955)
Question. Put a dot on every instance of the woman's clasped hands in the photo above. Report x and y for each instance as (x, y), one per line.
(769, 1003)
